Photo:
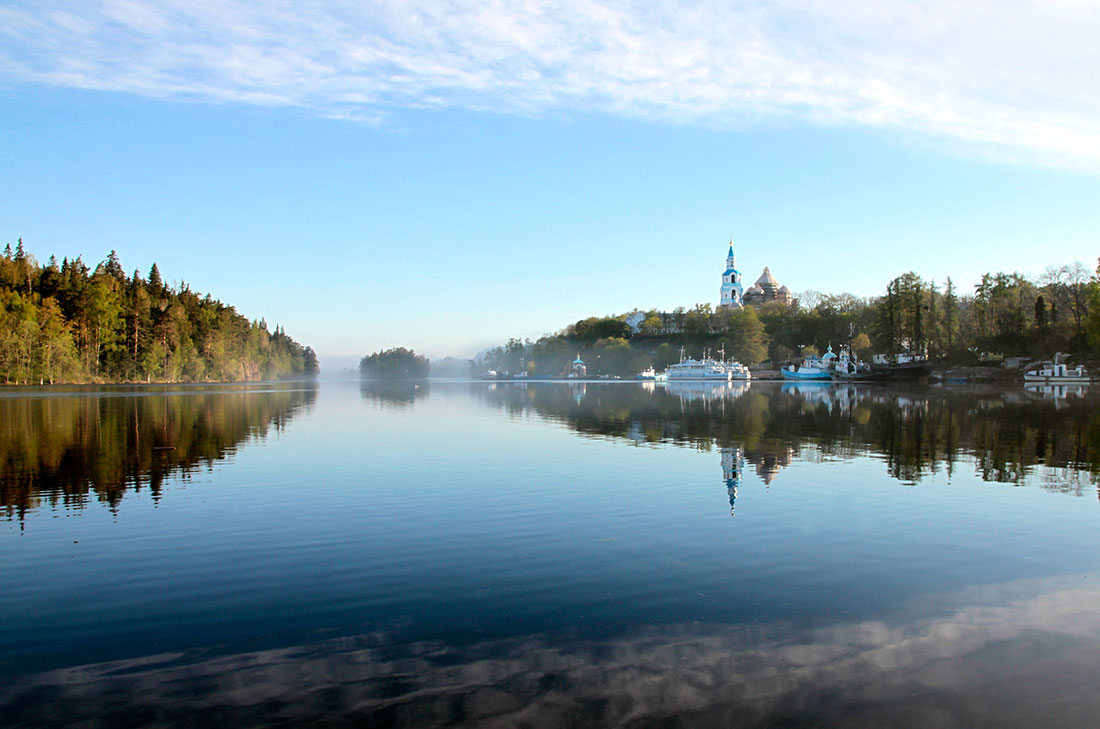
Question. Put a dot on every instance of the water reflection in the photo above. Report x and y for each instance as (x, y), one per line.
(693, 391)
(489, 570)
(396, 393)
(1004, 434)
(68, 447)
(1056, 392)
(732, 465)
(1022, 654)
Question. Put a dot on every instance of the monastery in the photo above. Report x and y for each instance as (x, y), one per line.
(766, 288)
(731, 296)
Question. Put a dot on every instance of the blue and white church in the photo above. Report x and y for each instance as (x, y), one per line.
(732, 291)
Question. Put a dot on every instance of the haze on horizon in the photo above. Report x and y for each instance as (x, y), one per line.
(424, 175)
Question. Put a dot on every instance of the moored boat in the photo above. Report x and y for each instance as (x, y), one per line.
(651, 375)
(1058, 373)
(812, 368)
(849, 368)
(737, 370)
(698, 369)
(905, 365)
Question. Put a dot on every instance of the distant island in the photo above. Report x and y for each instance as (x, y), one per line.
(394, 364)
(67, 323)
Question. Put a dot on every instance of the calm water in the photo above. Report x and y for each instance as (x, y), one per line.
(550, 554)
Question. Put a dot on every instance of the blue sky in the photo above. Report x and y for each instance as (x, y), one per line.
(426, 175)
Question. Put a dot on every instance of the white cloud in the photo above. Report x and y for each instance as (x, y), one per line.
(1013, 77)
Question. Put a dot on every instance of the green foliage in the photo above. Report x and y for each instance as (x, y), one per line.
(1093, 316)
(394, 364)
(1007, 313)
(593, 328)
(71, 324)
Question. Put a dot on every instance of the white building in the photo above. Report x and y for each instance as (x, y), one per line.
(731, 284)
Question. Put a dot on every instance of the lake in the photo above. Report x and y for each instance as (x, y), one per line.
(550, 554)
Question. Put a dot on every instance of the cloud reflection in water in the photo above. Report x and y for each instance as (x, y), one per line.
(1025, 653)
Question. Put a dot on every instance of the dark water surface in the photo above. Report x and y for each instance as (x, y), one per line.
(553, 554)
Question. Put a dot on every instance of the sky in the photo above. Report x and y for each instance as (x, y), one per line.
(444, 175)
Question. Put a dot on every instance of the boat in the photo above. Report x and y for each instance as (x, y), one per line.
(737, 370)
(812, 368)
(697, 369)
(849, 368)
(1058, 374)
(904, 365)
(651, 375)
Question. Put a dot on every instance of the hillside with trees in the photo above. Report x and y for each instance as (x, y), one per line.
(1005, 315)
(68, 323)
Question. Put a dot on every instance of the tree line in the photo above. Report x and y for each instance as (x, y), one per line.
(394, 364)
(71, 323)
(1005, 315)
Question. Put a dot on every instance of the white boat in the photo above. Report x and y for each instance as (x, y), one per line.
(697, 369)
(647, 374)
(737, 370)
(1057, 374)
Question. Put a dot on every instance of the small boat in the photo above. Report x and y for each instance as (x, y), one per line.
(647, 374)
(812, 368)
(1057, 374)
(737, 370)
(849, 368)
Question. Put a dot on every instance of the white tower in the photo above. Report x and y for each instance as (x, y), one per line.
(731, 283)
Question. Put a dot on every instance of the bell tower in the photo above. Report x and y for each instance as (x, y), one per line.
(731, 291)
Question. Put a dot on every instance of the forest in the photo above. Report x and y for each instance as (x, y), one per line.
(394, 364)
(1005, 315)
(69, 323)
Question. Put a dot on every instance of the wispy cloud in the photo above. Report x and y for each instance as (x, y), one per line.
(1017, 77)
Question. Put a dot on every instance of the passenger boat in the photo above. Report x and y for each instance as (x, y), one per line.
(1057, 374)
(697, 369)
(812, 368)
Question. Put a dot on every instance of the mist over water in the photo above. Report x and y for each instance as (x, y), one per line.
(600, 554)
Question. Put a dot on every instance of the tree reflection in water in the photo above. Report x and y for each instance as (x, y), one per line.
(64, 447)
(1003, 433)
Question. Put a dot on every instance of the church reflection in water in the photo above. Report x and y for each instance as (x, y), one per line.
(1002, 433)
(732, 464)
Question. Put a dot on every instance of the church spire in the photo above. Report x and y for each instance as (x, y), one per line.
(731, 291)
